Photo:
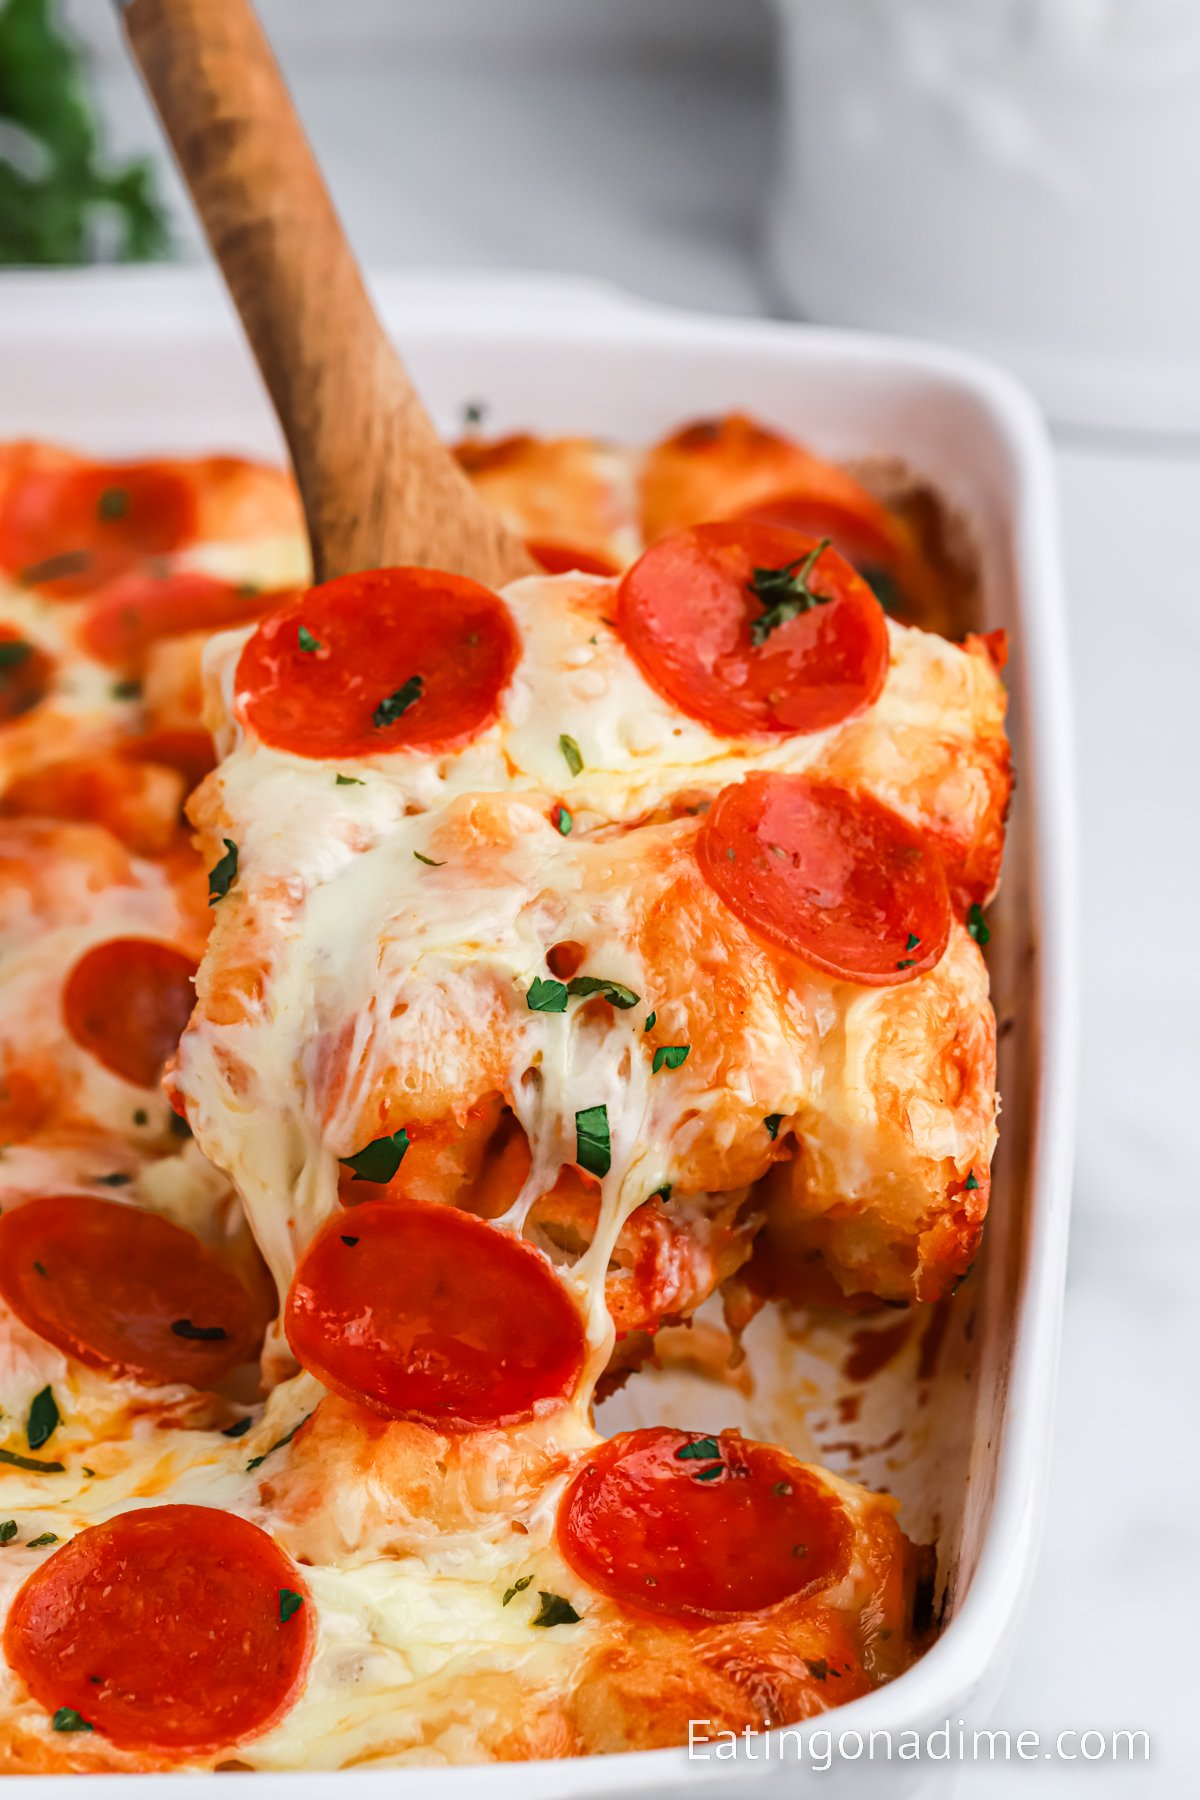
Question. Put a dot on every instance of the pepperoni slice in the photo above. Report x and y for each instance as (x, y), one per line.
(427, 1313)
(179, 1629)
(688, 612)
(69, 530)
(125, 1290)
(701, 1527)
(137, 610)
(25, 672)
(394, 659)
(564, 559)
(834, 877)
(127, 1002)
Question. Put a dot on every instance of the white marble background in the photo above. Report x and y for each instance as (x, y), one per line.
(632, 140)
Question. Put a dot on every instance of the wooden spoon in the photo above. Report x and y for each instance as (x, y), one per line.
(378, 486)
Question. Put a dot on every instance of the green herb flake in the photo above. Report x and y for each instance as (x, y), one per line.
(127, 690)
(306, 641)
(15, 652)
(223, 875)
(428, 861)
(256, 1462)
(782, 1488)
(907, 962)
(785, 593)
(518, 1587)
(8, 1530)
(561, 820)
(43, 1419)
(348, 781)
(198, 1334)
(977, 925)
(11, 1460)
(970, 1184)
(39, 1543)
(651, 1021)
(117, 1179)
(40, 1269)
(112, 504)
(546, 996)
(663, 1192)
(670, 1056)
(141, 1116)
(709, 1474)
(349, 1242)
(394, 706)
(593, 1142)
(67, 1719)
(913, 941)
(380, 1159)
(817, 1667)
(698, 1450)
(289, 1604)
(473, 414)
(239, 1428)
(772, 1122)
(554, 1610)
(571, 753)
(582, 986)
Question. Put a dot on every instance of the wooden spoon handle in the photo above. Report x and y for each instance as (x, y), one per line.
(378, 486)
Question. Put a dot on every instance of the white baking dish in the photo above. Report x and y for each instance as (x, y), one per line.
(152, 361)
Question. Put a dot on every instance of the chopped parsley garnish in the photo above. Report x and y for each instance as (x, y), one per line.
(593, 1143)
(663, 1192)
(256, 1461)
(394, 706)
(913, 941)
(11, 1460)
(907, 962)
(349, 1242)
(518, 1587)
(14, 653)
(239, 1428)
(289, 1604)
(571, 753)
(39, 1543)
(785, 593)
(116, 1179)
(772, 1122)
(380, 1159)
(977, 925)
(473, 414)
(200, 1334)
(141, 1116)
(127, 690)
(546, 996)
(651, 1021)
(582, 986)
(222, 877)
(8, 1530)
(698, 1450)
(178, 1126)
(348, 781)
(670, 1056)
(886, 589)
(561, 820)
(306, 641)
(67, 1719)
(554, 1610)
(40, 1269)
(970, 1184)
(43, 1419)
(710, 1474)
(112, 504)
(428, 861)
(817, 1667)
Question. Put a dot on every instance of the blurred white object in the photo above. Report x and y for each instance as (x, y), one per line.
(1018, 176)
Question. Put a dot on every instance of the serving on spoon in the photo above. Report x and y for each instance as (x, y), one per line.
(378, 487)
